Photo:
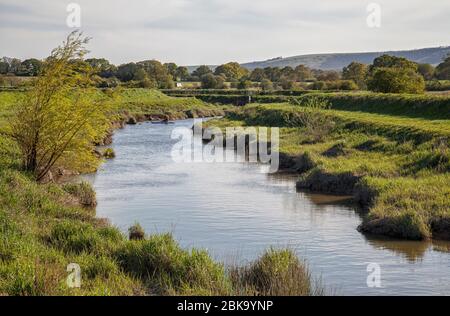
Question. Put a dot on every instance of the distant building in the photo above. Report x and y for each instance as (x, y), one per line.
(179, 85)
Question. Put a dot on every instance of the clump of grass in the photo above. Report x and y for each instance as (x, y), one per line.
(317, 124)
(109, 153)
(276, 272)
(73, 237)
(172, 270)
(83, 191)
(136, 232)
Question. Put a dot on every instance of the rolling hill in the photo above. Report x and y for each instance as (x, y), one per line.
(337, 61)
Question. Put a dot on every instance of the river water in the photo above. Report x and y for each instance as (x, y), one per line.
(235, 211)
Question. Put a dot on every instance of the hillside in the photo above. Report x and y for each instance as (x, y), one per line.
(337, 61)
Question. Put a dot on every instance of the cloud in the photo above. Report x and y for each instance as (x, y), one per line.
(216, 31)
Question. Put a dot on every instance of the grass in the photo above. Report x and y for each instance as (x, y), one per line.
(425, 106)
(45, 227)
(397, 167)
(144, 104)
(83, 192)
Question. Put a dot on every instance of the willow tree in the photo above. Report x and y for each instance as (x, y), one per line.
(61, 117)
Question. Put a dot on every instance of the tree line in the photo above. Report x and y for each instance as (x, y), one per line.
(385, 74)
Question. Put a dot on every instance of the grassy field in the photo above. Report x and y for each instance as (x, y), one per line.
(397, 167)
(429, 106)
(46, 227)
(144, 102)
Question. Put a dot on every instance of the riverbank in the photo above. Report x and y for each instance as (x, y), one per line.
(395, 167)
(46, 227)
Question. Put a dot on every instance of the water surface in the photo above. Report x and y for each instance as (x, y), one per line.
(236, 211)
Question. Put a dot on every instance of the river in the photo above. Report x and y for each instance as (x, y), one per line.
(235, 211)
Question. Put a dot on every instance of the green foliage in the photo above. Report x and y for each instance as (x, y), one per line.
(443, 70)
(438, 85)
(266, 85)
(231, 71)
(390, 74)
(210, 81)
(182, 73)
(244, 84)
(102, 67)
(396, 80)
(427, 71)
(30, 67)
(201, 71)
(58, 123)
(356, 72)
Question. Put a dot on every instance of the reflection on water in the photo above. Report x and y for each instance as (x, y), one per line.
(236, 211)
(410, 250)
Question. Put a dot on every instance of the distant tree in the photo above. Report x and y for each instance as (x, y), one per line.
(182, 73)
(396, 80)
(201, 71)
(356, 72)
(244, 84)
(171, 69)
(211, 81)
(140, 74)
(273, 73)
(154, 69)
(14, 65)
(167, 83)
(126, 72)
(147, 83)
(327, 75)
(287, 84)
(443, 70)
(231, 70)
(59, 121)
(258, 75)
(4, 67)
(390, 74)
(102, 67)
(303, 73)
(266, 85)
(288, 73)
(319, 85)
(30, 67)
(388, 61)
(426, 70)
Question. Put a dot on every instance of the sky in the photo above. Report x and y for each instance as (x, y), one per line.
(194, 32)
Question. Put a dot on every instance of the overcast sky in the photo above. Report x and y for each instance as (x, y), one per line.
(192, 32)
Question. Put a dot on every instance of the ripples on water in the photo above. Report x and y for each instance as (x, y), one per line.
(236, 211)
